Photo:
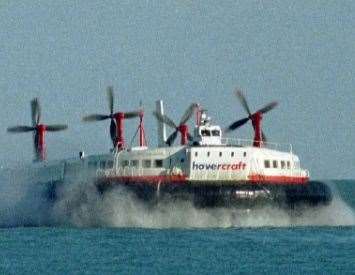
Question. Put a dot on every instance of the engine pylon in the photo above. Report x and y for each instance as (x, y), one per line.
(39, 131)
(256, 118)
(181, 128)
(117, 121)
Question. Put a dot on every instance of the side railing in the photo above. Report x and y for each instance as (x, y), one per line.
(286, 147)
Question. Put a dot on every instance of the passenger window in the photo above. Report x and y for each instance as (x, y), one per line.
(208, 154)
(206, 133)
(215, 133)
(232, 154)
(245, 154)
(125, 163)
(220, 154)
(196, 154)
(288, 165)
(102, 164)
(134, 163)
(159, 163)
(274, 163)
(283, 164)
(147, 163)
(267, 163)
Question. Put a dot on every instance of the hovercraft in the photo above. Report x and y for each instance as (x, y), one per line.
(207, 168)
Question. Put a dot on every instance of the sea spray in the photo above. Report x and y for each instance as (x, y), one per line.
(82, 205)
(23, 203)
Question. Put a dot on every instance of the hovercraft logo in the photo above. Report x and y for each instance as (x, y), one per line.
(219, 166)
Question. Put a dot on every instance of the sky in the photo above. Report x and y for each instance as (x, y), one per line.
(300, 53)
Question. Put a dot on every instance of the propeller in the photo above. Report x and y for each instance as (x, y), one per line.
(111, 115)
(38, 129)
(250, 116)
(180, 127)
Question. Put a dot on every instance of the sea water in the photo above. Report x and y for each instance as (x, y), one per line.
(118, 235)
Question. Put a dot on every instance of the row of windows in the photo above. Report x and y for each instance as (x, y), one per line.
(276, 164)
(208, 133)
(146, 163)
(232, 154)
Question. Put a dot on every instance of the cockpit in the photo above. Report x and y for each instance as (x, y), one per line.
(209, 133)
(205, 133)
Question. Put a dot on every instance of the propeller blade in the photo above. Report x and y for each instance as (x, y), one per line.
(268, 107)
(110, 98)
(95, 117)
(172, 138)
(113, 132)
(56, 127)
(20, 129)
(35, 146)
(243, 101)
(188, 113)
(35, 111)
(237, 124)
(39, 112)
(133, 114)
(165, 119)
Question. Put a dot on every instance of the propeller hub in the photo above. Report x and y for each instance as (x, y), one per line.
(41, 127)
(119, 115)
(183, 128)
(256, 116)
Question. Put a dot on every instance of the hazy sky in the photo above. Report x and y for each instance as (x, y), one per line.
(301, 53)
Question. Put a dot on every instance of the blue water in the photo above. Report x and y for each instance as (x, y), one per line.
(93, 238)
(178, 251)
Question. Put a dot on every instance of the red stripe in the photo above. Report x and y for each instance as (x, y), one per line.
(277, 179)
(181, 179)
(147, 179)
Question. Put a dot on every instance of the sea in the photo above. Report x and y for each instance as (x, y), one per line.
(83, 233)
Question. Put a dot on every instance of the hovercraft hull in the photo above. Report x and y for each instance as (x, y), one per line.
(225, 194)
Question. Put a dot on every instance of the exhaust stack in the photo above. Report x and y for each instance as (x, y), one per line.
(161, 125)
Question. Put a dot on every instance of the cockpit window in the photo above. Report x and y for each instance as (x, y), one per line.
(206, 133)
(215, 133)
